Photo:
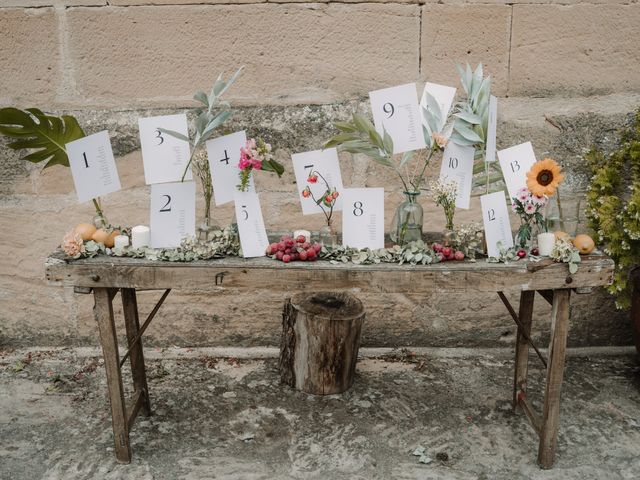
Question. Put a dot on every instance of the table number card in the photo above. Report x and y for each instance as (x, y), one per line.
(396, 110)
(497, 226)
(327, 164)
(490, 155)
(93, 167)
(173, 213)
(253, 235)
(515, 162)
(224, 156)
(164, 156)
(443, 95)
(363, 218)
(457, 165)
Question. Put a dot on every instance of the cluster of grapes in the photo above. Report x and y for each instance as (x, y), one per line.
(289, 249)
(447, 253)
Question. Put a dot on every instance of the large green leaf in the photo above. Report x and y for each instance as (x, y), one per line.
(46, 135)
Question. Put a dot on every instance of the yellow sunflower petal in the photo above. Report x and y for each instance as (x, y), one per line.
(552, 170)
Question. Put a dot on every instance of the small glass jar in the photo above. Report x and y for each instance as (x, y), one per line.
(406, 225)
(328, 236)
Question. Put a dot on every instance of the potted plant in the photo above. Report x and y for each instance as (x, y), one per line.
(613, 210)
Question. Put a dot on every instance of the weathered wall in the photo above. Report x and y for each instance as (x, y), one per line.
(565, 72)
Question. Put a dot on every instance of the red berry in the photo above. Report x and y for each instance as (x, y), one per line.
(279, 254)
(311, 253)
(317, 247)
(459, 255)
(522, 253)
(294, 256)
(301, 239)
(335, 194)
(289, 242)
(437, 247)
(303, 256)
(535, 252)
(451, 256)
(446, 251)
(312, 179)
(286, 258)
(287, 251)
(306, 245)
(281, 246)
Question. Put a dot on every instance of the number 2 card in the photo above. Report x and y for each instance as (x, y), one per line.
(515, 162)
(363, 218)
(396, 110)
(497, 226)
(164, 156)
(173, 213)
(93, 167)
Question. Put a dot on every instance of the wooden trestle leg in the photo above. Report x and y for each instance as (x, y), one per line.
(555, 372)
(103, 312)
(525, 316)
(138, 371)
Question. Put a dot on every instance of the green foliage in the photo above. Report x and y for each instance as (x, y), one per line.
(414, 253)
(44, 135)
(613, 206)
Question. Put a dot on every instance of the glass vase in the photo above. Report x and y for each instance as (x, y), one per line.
(406, 225)
(328, 236)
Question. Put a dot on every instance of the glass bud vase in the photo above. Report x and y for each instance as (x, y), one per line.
(328, 236)
(406, 225)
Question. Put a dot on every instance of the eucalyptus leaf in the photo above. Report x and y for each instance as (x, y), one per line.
(433, 109)
(388, 143)
(175, 134)
(467, 132)
(469, 117)
(202, 98)
(406, 157)
(460, 140)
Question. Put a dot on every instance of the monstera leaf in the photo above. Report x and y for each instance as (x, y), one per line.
(45, 135)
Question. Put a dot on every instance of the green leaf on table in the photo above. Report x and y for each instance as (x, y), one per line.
(470, 117)
(46, 134)
(467, 132)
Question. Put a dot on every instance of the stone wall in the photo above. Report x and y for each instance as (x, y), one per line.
(566, 74)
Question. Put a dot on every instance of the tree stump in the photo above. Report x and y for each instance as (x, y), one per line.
(320, 341)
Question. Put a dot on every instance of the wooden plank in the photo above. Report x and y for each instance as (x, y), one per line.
(103, 312)
(534, 419)
(132, 325)
(525, 316)
(555, 371)
(134, 407)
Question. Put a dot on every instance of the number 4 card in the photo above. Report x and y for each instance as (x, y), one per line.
(363, 218)
(173, 213)
(253, 235)
(165, 157)
(224, 156)
(396, 110)
(497, 226)
(92, 166)
(515, 162)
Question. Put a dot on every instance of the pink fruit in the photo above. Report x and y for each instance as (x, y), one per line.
(294, 256)
(451, 256)
(303, 256)
(522, 253)
(287, 251)
(306, 245)
(446, 251)
(289, 242)
(281, 246)
(459, 255)
(279, 254)
(301, 239)
(437, 247)
(286, 258)
(311, 253)
(317, 247)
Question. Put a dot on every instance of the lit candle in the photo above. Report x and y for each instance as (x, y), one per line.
(546, 241)
(305, 233)
(140, 237)
(121, 241)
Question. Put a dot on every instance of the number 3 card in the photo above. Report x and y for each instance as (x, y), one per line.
(396, 110)
(92, 166)
(457, 166)
(497, 227)
(224, 156)
(363, 218)
(515, 162)
(173, 213)
(164, 156)
(325, 164)
(253, 235)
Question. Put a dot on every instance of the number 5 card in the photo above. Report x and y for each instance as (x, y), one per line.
(173, 213)
(515, 162)
(164, 156)
(396, 110)
(363, 218)
(92, 166)
(253, 235)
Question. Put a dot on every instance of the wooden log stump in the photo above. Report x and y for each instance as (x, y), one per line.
(320, 341)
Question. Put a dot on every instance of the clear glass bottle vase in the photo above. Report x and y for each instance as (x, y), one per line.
(328, 235)
(406, 225)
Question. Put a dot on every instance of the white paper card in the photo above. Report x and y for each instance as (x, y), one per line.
(253, 235)
(490, 155)
(396, 109)
(224, 155)
(497, 226)
(92, 166)
(327, 165)
(515, 162)
(363, 218)
(457, 165)
(443, 95)
(173, 213)
(164, 156)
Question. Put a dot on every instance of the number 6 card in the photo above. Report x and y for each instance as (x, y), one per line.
(173, 213)
(363, 218)
(396, 110)
(93, 167)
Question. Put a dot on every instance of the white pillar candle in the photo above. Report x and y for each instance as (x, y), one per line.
(121, 241)
(546, 241)
(305, 233)
(140, 237)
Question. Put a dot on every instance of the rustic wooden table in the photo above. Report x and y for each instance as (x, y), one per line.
(105, 276)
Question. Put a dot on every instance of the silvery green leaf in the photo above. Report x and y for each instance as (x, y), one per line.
(467, 132)
(460, 140)
(345, 126)
(231, 80)
(425, 459)
(469, 117)
(175, 134)
(573, 267)
(376, 139)
(433, 110)
(419, 451)
(363, 123)
(418, 257)
(387, 143)
(215, 123)
(463, 78)
(202, 98)
(218, 86)
(406, 156)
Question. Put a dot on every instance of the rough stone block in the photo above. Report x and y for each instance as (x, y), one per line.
(575, 50)
(457, 34)
(301, 53)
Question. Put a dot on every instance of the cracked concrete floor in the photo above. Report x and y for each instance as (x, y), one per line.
(232, 419)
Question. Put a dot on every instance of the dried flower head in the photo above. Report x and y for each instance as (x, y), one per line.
(72, 244)
(440, 139)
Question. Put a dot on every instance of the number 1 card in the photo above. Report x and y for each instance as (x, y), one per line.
(93, 167)
(173, 213)
(363, 218)
(164, 156)
(515, 162)
(497, 226)
(396, 110)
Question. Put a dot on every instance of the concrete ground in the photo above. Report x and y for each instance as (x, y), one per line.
(231, 418)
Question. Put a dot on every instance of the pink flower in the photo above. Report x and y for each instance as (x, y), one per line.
(256, 164)
(530, 208)
(538, 200)
(514, 207)
(251, 144)
(523, 194)
(72, 244)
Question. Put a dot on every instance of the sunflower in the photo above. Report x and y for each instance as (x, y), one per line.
(544, 177)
